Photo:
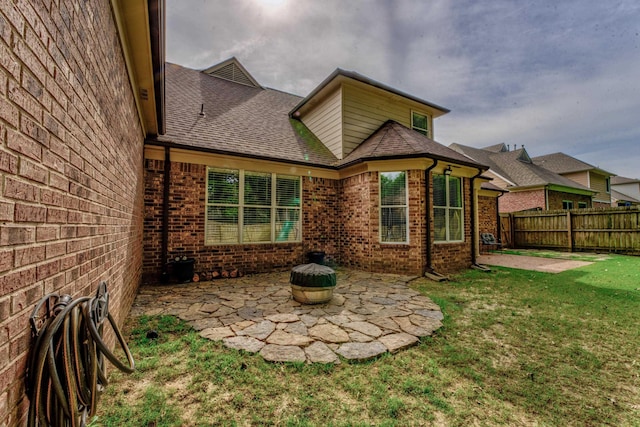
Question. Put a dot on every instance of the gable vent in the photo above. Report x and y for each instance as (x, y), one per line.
(233, 73)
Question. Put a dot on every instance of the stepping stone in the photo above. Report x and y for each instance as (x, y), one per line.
(236, 327)
(385, 323)
(205, 323)
(410, 328)
(296, 328)
(260, 330)
(210, 307)
(309, 320)
(434, 314)
(365, 328)
(397, 342)
(383, 301)
(328, 333)
(338, 319)
(361, 351)
(283, 318)
(337, 299)
(249, 344)
(250, 313)
(283, 353)
(236, 303)
(319, 352)
(360, 337)
(425, 322)
(285, 338)
(216, 334)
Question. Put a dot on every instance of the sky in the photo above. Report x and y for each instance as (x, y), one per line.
(554, 76)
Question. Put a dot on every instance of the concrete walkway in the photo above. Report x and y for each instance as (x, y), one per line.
(369, 314)
(523, 262)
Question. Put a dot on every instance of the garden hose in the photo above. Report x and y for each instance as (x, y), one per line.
(66, 370)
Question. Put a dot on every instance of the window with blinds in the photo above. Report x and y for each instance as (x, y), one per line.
(420, 123)
(251, 207)
(448, 213)
(393, 207)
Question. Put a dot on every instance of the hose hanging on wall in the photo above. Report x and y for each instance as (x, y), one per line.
(66, 371)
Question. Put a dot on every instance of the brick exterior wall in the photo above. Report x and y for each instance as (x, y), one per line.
(488, 216)
(451, 257)
(71, 171)
(522, 200)
(338, 217)
(556, 198)
(187, 225)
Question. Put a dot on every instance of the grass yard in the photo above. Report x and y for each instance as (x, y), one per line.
(518, 348)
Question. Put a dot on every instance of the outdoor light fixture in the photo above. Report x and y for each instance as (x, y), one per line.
(448, 170)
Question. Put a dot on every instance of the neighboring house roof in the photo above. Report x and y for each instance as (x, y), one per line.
(623, 197)
(238, 119)
(359, 77)
(562, 163)
(392, 140)
(616, 180)
(517, 167)
(493, 187)
(214, 114)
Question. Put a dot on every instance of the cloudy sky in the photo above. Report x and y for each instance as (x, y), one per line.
(550, 75)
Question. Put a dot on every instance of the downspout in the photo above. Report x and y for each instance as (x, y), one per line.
(164, 256)
(474, 237)
(429, 267)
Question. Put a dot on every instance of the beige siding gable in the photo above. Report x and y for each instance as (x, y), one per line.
(599, 184)
(325, 121)
(365, 111)
(579, 177)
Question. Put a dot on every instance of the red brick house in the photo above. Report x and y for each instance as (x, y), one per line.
(254, 178)
(80, 89)
(530, 186)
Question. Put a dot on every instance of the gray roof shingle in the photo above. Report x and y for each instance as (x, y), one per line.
(238, 119)
(393, 140)
(512, 166)
(563, 163)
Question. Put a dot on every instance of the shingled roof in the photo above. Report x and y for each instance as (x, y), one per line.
(563, 163)
(212, 114)
(393, 140)
(517, 167)
(238, 119)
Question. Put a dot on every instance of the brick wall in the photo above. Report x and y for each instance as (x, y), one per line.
(452, 257)
(340, 218)
(556, 198)
(522, 200)
(187, 225)
(487, 216)
(71, 171)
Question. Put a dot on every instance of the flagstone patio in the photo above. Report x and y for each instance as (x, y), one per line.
(369, 314)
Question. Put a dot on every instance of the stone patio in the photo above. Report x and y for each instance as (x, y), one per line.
(369, 314)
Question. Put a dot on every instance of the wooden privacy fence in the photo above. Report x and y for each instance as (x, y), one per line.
(610, 230)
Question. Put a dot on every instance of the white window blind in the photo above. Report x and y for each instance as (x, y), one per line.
(242, 207)
(448, 213)
(393, 207)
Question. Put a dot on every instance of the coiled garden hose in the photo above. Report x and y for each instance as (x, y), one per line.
(66, 371)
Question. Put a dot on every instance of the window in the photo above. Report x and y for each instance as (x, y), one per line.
(447, 208)
(582, 205)
(251, 207)
(567, 204)
(393, 207)
(420, 122)
(607, 184)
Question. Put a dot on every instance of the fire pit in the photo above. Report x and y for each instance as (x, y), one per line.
(312, 283)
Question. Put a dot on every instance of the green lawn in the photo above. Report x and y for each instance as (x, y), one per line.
(518, 348)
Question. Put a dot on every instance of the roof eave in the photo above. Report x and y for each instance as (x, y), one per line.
(363, 79)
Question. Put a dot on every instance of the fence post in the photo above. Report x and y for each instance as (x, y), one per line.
(569, 232)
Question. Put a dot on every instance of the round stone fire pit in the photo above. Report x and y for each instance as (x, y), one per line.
(312, 283)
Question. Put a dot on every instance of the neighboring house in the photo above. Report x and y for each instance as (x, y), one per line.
(254, 178)
(625, 191)
(581, 172)
(80, 88)
(529, 186)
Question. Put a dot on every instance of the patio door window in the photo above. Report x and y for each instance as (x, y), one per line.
(448, 213)
(393, 207)
(251, 207)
